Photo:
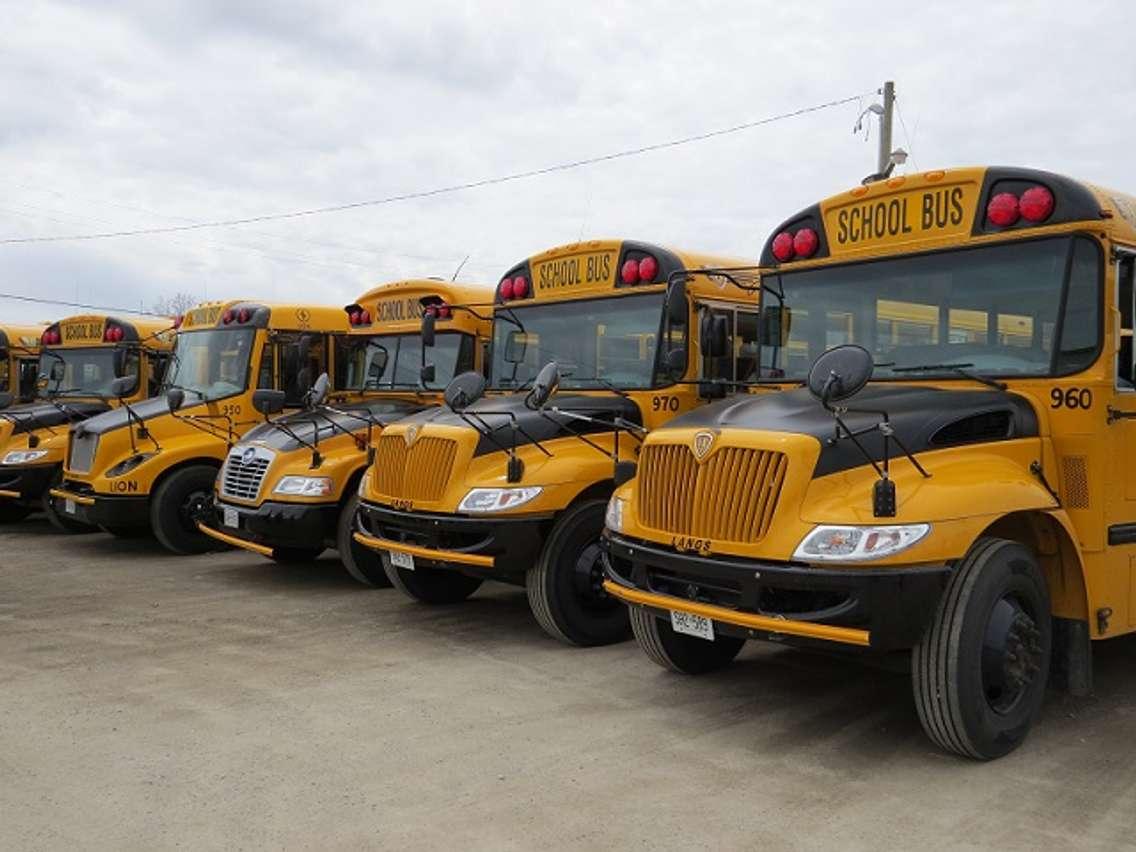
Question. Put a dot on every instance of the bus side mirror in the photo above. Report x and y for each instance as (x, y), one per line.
(675, 363)
(515, 345)
(713, 336)
(5, 400)
(544, 386)
(267, 401)
(123, 386)
(464, 391)
(429, 321)
(774, 325)
(676, 302)
(840, 373)
(427, 374)
(318, 392)
(175, 397)
(58, 371)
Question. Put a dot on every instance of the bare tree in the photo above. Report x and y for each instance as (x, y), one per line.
(175, 305)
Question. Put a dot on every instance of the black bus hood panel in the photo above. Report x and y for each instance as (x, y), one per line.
(496, 415)
(346, 417)
(920, 416)
(37, 415)
(117, 418)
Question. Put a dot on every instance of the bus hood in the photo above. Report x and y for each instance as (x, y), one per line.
(329, 423)
(496, 415)
(924, 418)
(37, 415)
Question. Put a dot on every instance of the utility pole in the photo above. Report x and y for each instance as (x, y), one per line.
(884, 158)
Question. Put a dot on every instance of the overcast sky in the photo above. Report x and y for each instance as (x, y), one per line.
(141, 114)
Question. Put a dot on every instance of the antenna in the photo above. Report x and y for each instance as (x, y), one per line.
(459, 269)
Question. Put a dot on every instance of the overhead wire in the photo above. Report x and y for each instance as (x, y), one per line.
(443, 190)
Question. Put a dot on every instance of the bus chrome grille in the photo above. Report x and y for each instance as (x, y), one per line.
(416, 472)
(81, 451)
(731, 496)
(244, 471)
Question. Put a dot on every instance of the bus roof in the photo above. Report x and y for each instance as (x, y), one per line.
(597, 267)
(398, 306)
(283, 316)
(933, 209)
(93, 330)
(23, 336)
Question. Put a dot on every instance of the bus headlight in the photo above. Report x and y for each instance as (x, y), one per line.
(364, 484)
(613, 517)
(303, 486)
(24, 456)
(857, 544)
(127, 465)
(497, 499)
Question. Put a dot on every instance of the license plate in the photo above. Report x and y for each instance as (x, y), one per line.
(692, 625)
(401, 560)
(69, 507)
(231, 518)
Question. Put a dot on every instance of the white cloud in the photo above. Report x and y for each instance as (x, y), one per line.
(119, 115)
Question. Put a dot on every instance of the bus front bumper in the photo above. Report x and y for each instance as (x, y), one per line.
(26, 485)
(270, 525)
(101, 510)
(497, 547)
(879, 608)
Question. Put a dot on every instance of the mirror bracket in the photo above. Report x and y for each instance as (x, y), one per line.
(515, 469)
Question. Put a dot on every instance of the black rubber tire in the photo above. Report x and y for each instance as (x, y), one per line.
(947, 665)
(171, 518)
(57, 519)
(126, 532)
(11, 513)
(553, 584)
(296, 555)
(361, 562)
(431, 585)
(683, 654)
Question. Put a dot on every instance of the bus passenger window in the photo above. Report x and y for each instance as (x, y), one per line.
(1124, 276)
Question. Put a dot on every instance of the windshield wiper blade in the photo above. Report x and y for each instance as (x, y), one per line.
(957, 369)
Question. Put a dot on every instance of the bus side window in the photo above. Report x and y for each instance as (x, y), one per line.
(266, 374)
(1124, 296)
(159, 362)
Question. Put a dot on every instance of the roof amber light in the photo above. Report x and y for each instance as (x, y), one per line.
(1003, 209)
(1036, 204)
(783, 246)
(805, 242)
(629, 272)
(647, 269)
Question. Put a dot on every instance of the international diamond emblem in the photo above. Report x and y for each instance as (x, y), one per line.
(703, 441)
(410, 434)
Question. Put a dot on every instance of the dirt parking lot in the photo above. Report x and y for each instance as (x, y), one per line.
(150, 701)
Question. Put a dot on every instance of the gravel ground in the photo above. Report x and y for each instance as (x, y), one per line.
(223, 701)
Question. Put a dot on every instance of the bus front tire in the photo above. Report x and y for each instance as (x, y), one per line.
(565, 587)
(178, 503)
(431, 585)
(361, 562)
(11, 513)
(980, 671)
(683, 654)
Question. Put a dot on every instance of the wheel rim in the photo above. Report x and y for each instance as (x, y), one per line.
(1011, 654)
(588, 576)
(193, 509)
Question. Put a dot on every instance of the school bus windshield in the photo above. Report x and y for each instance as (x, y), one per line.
(595, 342)
(393, 361)
(86, 371)
(212, 364)
(1027, 308)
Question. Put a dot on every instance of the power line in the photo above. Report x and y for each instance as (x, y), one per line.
(101, 308)
(445, 190)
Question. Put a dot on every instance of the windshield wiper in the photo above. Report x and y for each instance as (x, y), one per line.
(957, 369)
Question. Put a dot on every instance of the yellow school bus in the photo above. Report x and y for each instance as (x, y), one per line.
(86, 365)
(19, 362)
(953, 481)
(289, 489)
(152, 467)
(512, 485)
